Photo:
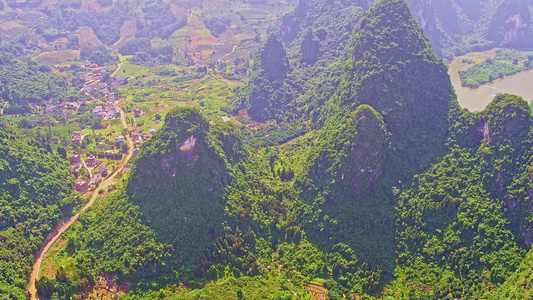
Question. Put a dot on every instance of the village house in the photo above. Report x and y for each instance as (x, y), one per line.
(91, 160)
(74, 158)
(96, 179)
(102, 170)
(50, 109)
(120, 78)
(76, 138)
(111, 108)
(87, 63)
(120, 138)
(99, 71)
(146, 137)
(135, 151)
(96, 111)
(134, 135)
(111, 98)
(152, 131)
(137, 112)
(81, 186)
(89, 89)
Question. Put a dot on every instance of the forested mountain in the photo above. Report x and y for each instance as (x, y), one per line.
(388, 189)
(268, 90)
(319, 30)
(395, 191)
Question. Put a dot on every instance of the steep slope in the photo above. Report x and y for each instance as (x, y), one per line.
(511, 25)
(320, 30)
(179, 178)
(518, 285)
(170, 213)
(395, 71)
(392, 80)
(423, 12)
(268, 90)
(454, 234)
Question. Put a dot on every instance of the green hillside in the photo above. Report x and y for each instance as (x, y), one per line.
(34, 194)
(341, 168)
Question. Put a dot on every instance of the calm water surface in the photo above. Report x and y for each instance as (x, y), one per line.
(520, 84)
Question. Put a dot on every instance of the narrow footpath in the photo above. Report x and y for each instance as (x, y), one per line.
(49, 243)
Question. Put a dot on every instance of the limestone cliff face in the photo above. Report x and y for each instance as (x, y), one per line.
(424, 13)
(455, 26)
(333, 21)
(179, 177)
(507, 123)
(264, 97)
(367, 149)
(353, 151)
(511, 26)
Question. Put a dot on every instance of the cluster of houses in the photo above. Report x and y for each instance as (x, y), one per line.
(137, 137)
(106, 112)
(83, 185)
(118, 80)
(90, 86)
(99, 87)
(66, 109)
(88, 64)
(95, 75)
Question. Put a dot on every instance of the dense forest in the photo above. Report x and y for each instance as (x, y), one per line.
(345, 169)
(34, 197)
(27, 83)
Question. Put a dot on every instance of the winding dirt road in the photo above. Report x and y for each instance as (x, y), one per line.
(118, 68)
(233, 50)
(2, 111)
(47, 245)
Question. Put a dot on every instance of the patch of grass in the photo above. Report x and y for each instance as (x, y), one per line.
(58, 56)
(489, 70)
(131, 70)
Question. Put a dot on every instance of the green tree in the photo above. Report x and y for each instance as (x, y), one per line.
(124, 148)
(95, 123)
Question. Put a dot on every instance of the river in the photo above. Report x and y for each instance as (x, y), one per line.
(520, 84)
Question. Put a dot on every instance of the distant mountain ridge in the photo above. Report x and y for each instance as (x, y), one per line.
(455, 27)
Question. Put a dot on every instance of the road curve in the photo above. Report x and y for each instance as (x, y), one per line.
(47, 245)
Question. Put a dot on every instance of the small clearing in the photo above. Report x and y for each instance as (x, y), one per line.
(87, 38)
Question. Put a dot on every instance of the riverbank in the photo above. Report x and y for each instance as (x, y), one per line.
(520, 84)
